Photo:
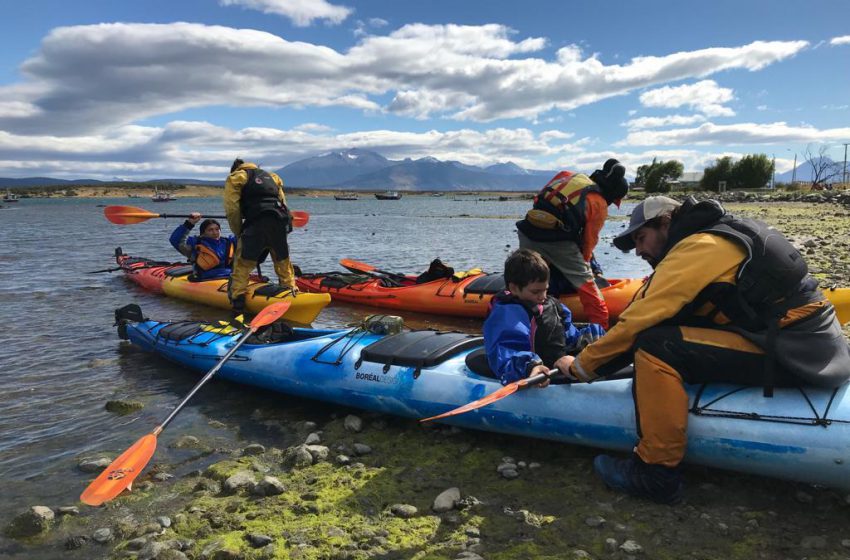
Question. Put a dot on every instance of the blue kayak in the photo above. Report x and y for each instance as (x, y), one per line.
(800, 434)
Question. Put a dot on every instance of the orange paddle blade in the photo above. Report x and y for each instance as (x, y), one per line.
(118, 476)
(124, 215)
(351, 264)
(299, 218)
(505, 391)
(270, 314)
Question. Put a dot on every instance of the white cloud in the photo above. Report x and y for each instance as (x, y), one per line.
(762, 108)
(657, 122)
(736, 134)
(301, 12)
(205, 150)
(704, 96)
(88, 78)
(842, 40)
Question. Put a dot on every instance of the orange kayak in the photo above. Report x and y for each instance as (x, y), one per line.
(467, 297)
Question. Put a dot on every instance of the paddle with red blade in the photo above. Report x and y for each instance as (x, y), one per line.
(125, 215)
(505, 391)
(357, 266)
(120, 475)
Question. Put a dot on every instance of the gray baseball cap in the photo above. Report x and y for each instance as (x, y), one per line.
(647, 210)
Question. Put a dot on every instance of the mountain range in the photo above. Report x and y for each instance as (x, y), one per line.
(357, 169)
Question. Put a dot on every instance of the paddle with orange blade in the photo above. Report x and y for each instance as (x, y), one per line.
(125, 215)
(123, 471)
(357, 266)
(505, 391)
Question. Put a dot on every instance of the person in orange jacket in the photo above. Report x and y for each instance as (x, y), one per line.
(564, 226)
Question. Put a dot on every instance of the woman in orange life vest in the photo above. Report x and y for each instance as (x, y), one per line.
(210, 253)
(564, 225)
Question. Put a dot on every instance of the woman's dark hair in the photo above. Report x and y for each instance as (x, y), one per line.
(207, 223)
(525, 266)
(235, 165)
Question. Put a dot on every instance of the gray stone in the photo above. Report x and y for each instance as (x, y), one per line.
(259, 541)
(163, 477)
(164, 521)
(509, 473)
(594, 521)
(122, 407)
(361, 449)
(343, 460)
(631, 547)
(152, 528)
(94, 464)
(468, 555)
(405, 511)
(238, 481)
(845, 543)
(68, 510)
(446, 500)
(335, 532)
(103, 535)
(269, 486)
(505, 467)
(153, 550)
(186, 442)
(171, 554)
(312, 439)
(611, 545)
(319, 452)
(534, 465)
(35, 520)
(353, 423)
(254, 449)
(136, 544)
(508, 460)
(216, 424)
(579, 554)
(298, 456)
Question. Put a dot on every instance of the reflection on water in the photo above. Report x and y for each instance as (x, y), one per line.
(60, 359)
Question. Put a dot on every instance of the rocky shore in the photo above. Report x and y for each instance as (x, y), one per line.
(364, 486)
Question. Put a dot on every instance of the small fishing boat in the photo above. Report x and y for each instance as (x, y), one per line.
(345, 196)
(161, 196)
(389, 195)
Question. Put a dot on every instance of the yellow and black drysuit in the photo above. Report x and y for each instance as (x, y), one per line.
(702, 317)
(256, 211)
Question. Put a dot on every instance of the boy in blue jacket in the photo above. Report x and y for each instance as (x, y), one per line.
(526, 331)
(211, 254)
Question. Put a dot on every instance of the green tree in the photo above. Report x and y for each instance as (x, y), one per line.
(752, 171)
(656, 176)
(720, 171)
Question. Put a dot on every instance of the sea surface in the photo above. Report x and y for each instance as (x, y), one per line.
(61, 360)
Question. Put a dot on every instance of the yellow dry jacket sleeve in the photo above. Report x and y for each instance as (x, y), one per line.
(693, 263)
(232, 195)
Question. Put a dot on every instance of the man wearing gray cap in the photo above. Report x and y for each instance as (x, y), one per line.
(730, 299)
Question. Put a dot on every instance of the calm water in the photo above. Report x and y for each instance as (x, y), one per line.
(60, 359)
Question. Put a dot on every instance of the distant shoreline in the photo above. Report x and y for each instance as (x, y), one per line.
(203, 191)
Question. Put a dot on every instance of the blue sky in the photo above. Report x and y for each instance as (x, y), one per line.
(141, 90)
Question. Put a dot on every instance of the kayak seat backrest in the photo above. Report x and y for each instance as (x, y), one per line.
(270, 290)
(179, 331)
(477, 362)
(487, 285)
(179, 270)
(418, 349)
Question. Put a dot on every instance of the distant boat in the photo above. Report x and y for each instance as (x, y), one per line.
(161, 196)
(345, 196)
(389, 195)
(10, 197)
(438, 194)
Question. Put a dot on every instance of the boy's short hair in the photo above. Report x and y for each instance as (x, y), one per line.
(525, 266)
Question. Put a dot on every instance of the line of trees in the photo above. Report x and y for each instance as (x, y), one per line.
(752, 171)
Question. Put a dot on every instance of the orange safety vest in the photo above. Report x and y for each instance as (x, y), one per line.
(560, 204)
